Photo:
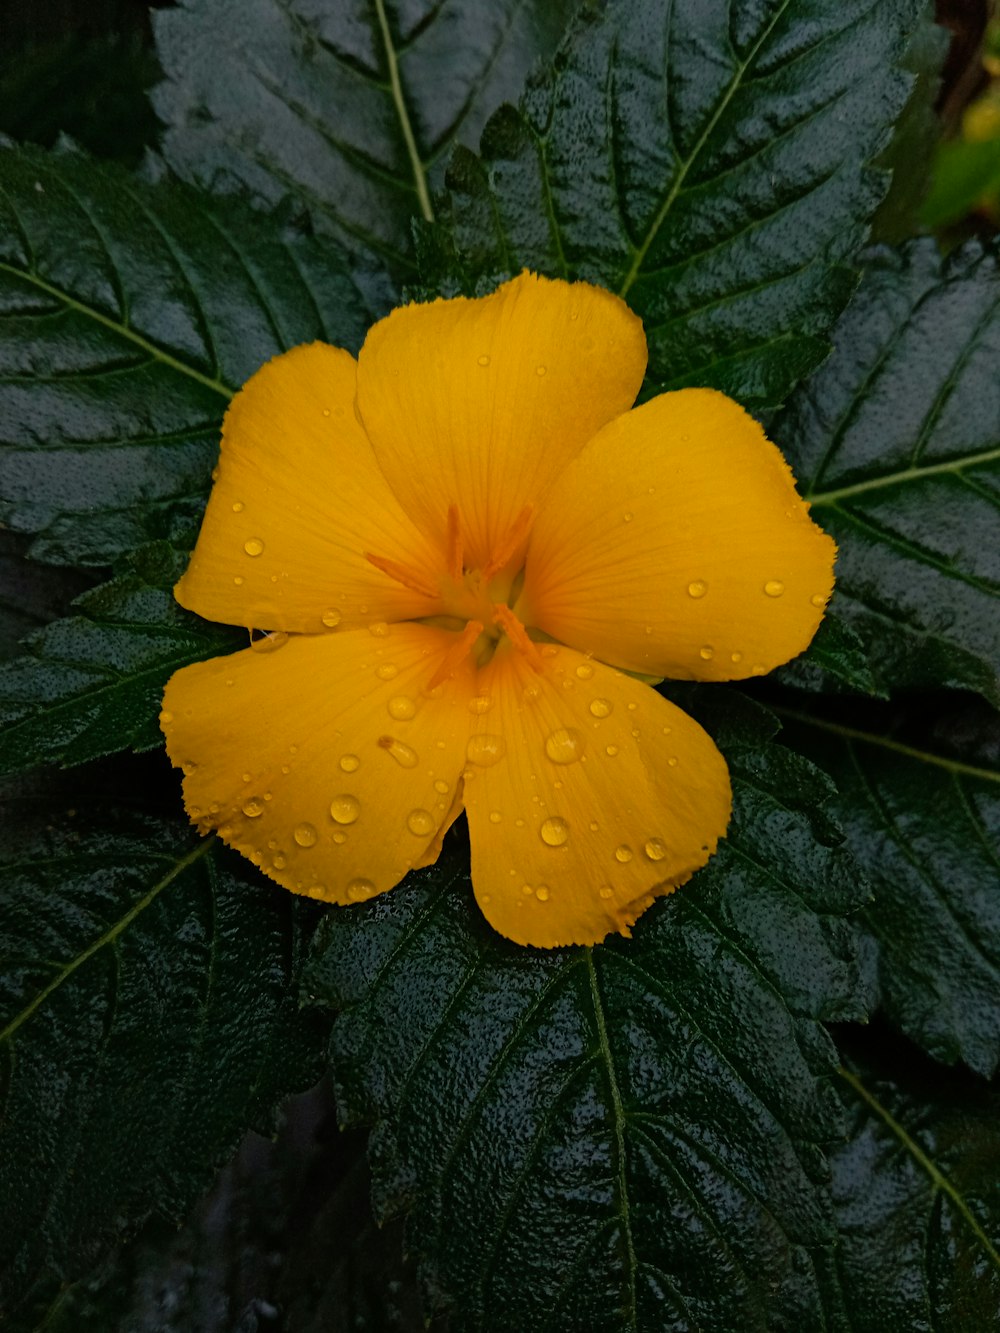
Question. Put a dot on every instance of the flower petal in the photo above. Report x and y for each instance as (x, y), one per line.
(297, 503)
(330, 777)
(677, 545)
(596, 796)
(480, 404)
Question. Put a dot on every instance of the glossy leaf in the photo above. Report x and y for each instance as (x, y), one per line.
(917, 1189)
(147, 1017)
(129, 314)
(926, 828)
(896, 443)
(618, 1138)
(712, 162)
(352, 108)
(31, 594)
(93, 683)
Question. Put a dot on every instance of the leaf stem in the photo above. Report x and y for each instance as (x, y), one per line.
(419, 175)
(821, 498)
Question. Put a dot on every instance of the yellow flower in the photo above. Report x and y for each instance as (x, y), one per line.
(459, 544)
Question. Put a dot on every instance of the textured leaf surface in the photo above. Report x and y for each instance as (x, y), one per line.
(129, 313)
(31, 594)
(624, 1137)
(353, 108)
(926, 828)
(710, 162)
(147, 1018)
(917, 1188)
(896, 442)
(93, 683)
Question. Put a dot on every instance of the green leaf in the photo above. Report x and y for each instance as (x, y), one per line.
(147, 1018)
(926, 828)
(595, 1139)
(964, 173)
(711, 162)
(31, 594)
(917, 1188)
(92, 684)
(896, 442)
(836, 659)
(129, 314)
(352, 109)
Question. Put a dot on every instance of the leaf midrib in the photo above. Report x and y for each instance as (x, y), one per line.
(403, 115)
(108, 937)
(819, 499)
(937, 1176)
(150, 348)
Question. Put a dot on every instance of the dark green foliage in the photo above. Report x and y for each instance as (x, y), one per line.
(298, 98)
(710, 162)
(92, 684)
(896, 442)
(917, 1191)
(148, 1014)
(594, 1139)
(926, 828)
(129, 314)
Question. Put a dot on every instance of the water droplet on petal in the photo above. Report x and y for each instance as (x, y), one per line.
(758, 670)
(485, 750)
(495, 816)
(697, 588)
(607, 891)
(166, 717)
(387, 671)
(420, 822)
(542, 893)
(339, 837)
(345, 809)
(612, 750)
(672, 761)
(253, 808)
(623, 853)
(305, 835)
(736, 657)
(402, 708)
(483, 360)
(480, 703)
(441, 786)
(526, 889)
(237, 506)
(656, 849)
(601, 707)
(554, 832)
(278, 862)
(238, 580)
(270, 643)
(541, 370)
(350, 763)
(403, 754)
(585, 671)
(360, 888)
(379, 629)
(818, 599)
(774, 588)
(253, 546)
(331, 618)
(627, 516)
(565, 746)
(707, 653)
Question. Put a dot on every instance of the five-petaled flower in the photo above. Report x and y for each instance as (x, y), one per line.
(464, 549)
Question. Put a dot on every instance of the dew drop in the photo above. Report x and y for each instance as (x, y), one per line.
(483, 360)
(612, 750)
(623, 853)
(565, 746)
(401, 708)
(253, 546)
(774, 588)
(166, 717)
(480, 703)
(594, 826)
(331, 618)
(697, 588)
(585, 671)
(736, 657)
(672, 761)
(628, 516)
(345, 809)
(818, 599)
(278, 862)
(485, 750)
(379, 629)
(238, 580)
(706, 654)
(541, 370)
(305, 835)
(326, 411)
(655, 849)
(554, 831)
(270, 643)
(360, 888)
(542, 893)
(387, 671)
(526, 889)
(403, 754)
(441, 786)
(601, 707)
(339, 836)
(420, 822)
(350, 763)
(495, 816)
(607, 891)
(758, 670)
(237, 506)
(253, 808)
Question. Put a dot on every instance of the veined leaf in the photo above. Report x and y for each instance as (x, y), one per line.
(595, 1139)
(92, 684)
(129, 314)
(709, 161)
(896, 442)
(31, 594)
(917, 1189)
(926, 829)
(147, 1018)
(351, 108)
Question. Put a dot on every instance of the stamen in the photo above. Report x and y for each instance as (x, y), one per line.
(518, 635)
(454, 553)
(515, 535)
(403, 574)
(456, 654)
